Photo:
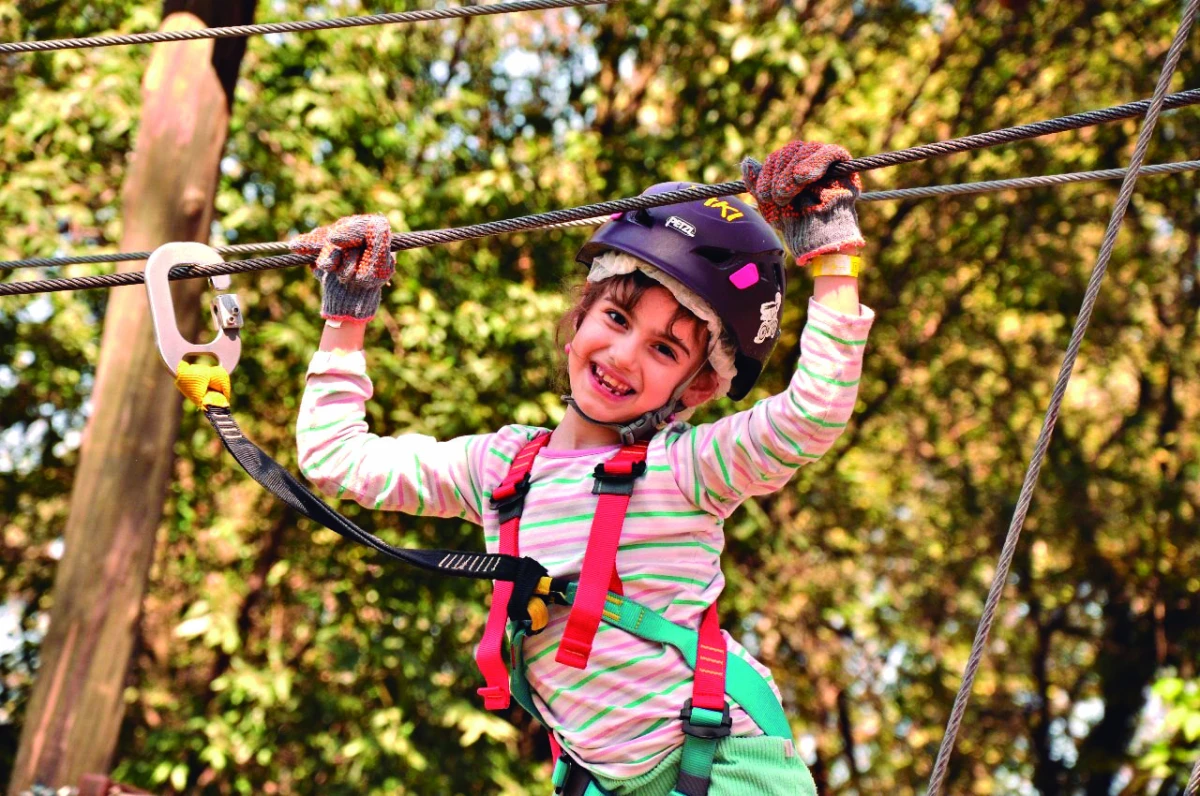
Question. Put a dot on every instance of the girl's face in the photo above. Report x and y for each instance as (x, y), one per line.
(625, 361)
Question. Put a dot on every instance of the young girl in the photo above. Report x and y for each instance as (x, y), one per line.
(681, 306)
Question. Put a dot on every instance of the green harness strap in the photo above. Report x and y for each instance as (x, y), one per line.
(743, 683)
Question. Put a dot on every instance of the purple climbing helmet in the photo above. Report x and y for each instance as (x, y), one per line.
(724, 252)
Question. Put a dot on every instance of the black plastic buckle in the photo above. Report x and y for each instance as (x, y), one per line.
(511, 506)
(706, 731)
(577, 781)
(529, 575)
(616, 483)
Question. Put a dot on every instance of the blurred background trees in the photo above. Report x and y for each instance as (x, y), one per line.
(274, 658)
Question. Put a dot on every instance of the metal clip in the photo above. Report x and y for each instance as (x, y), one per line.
(227, 315)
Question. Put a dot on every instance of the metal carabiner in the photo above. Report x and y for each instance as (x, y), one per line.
(226, 314)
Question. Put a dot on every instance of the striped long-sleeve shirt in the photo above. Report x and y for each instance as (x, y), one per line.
(619, 715)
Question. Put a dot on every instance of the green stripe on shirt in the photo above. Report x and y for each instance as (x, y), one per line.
(614, 668)
(317, 464)
(633, 704)
(750, 459)
(332, 424)
(695, 466)
(835, 338)
(804, 368)
(420, 497)
(386, 486)
(602, 629)
(646, 545)
(813, 418)
(349, 479)
(799, 451)
(694, 513)
(721, 461)
(471, 480)
(795, 445)
(672, 578)
(557, 521)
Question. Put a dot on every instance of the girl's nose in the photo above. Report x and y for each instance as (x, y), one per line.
(624, 350)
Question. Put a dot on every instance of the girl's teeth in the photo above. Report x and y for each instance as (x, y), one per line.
(616, 389)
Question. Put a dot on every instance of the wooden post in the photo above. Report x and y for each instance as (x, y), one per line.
(77, 704)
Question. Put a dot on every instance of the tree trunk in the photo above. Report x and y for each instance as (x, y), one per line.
(77, 705)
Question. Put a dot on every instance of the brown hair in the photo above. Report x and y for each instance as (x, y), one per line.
(626, 290)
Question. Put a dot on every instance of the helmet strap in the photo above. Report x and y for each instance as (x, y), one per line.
(641, 427)
(644, 425)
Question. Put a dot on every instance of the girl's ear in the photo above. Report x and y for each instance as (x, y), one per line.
(702, 388)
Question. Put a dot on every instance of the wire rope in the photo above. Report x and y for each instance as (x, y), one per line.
(1004, 564)
(235, 249)
(238, 31)
(1012, 134)
(932, 191)
(415, 240)
(1193, 786)
(1018, 183)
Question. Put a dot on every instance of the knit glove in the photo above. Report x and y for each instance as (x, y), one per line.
(814, 213)
(354, 260)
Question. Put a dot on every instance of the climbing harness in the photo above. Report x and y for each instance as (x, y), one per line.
(599, 596)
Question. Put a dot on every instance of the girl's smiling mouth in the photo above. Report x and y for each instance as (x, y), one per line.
(608, 384)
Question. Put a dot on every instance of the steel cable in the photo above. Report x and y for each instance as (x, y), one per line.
(1193, 786)
(414, 240)
(236, 249)
(932, 191)
(1004, 565)
(1018, 183)
(237, 31)
(1010, 134)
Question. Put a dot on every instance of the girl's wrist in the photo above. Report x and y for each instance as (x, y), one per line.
(846, 263)
(343, 335)
(835, 280)
(839, 293)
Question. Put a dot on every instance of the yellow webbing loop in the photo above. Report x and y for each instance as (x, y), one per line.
(539, 615)
(203, 385)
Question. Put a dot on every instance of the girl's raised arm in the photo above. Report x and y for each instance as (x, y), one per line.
(413, 473)
(757, 451)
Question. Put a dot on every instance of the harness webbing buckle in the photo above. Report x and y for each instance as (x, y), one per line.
(617, 483)
(706, 724)
(509, 502)
(571, 779)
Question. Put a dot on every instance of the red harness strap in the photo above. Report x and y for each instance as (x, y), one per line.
(614, 484)
(708, 689)
(509, 497)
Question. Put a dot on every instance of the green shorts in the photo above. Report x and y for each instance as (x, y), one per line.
(761, 766)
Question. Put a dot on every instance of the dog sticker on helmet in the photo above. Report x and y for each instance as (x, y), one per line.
(769, 314)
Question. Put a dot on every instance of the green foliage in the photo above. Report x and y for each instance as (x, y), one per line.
(1174, 750)
(274, 658)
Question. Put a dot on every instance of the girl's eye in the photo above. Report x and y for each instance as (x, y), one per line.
(615, 317)
(666, 350)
